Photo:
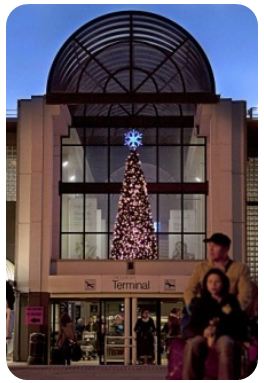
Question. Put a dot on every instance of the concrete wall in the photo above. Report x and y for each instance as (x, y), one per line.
(36, 209)
(39, 272)
(34, 212)
(224, 126)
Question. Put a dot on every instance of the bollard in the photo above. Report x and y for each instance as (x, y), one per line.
(36, 348)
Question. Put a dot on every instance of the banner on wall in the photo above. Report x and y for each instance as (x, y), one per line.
(34, 315)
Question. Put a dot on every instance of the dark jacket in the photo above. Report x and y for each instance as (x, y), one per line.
(238, 275)
(232, 320)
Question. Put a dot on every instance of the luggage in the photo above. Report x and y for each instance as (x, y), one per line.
(76, 352)
(57, 356)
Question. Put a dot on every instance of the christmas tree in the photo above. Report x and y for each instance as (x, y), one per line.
(134, 236)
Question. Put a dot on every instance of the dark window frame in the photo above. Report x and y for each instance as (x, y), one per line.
(108, 188)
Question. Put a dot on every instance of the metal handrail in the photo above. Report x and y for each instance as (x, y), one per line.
(124, 345)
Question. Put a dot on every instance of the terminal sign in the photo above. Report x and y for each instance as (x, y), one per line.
(34, 315)
(131, 285)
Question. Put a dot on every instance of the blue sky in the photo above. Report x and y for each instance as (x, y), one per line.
(227, 33)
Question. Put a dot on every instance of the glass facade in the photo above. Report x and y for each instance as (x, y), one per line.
(252, 217)
(11, 165)
(97, 157)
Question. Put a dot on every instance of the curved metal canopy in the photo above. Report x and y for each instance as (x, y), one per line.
(128, 54)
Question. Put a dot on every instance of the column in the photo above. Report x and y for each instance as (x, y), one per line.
(134, 319)
(127, 332)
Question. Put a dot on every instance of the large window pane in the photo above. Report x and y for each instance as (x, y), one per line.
(169, 136)
(96, 212)
(169, 246)
(76, 136)
(169, 164)
(96, 164)
(114, 198)
(194, 164)
(190, 137)
(96, 136)
(169, 213)
(147, 156)
(72, 246)
(72, 213)
(96, 246)
(72, 164)
(118, 156)
(194, 248)
(194, 213)
(110, 241)
(117, 136)
(153, 205)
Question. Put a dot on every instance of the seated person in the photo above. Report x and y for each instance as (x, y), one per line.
(216, 320)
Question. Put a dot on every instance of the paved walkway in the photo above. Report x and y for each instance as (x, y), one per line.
(84, 372)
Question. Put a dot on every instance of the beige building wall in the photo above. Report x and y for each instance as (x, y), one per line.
(224, 126)
(34, 213)
(38, 213)
(39, 271)
(39, 129)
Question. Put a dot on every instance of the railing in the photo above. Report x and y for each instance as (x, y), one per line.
(115, 346)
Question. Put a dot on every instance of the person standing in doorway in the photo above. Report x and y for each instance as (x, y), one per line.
(145, 330)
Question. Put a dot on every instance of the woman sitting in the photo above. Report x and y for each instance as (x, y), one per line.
(216, 321)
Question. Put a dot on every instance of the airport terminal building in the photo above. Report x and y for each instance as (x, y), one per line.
(124, 70)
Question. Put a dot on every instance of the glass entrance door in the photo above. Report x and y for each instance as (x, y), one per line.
(159, 311)
(112, 318)
(106, 335)
(150, 345)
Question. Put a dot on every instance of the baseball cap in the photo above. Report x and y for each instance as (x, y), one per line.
(219, 239)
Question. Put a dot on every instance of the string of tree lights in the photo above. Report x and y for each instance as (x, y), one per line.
(134, 235)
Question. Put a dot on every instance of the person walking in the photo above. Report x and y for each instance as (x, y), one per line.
(66, 337)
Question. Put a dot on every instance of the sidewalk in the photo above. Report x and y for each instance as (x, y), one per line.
(84, 372)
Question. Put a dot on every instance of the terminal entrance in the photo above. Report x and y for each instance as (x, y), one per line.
(105, 327)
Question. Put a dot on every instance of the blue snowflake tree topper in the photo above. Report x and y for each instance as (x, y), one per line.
(133, 139)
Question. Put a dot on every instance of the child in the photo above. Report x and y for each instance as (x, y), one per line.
(216, 321)
(216, 312)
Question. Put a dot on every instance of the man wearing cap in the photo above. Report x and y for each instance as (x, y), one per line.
(240, 285)
(237, 272)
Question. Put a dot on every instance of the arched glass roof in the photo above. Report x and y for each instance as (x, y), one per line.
(129, 53)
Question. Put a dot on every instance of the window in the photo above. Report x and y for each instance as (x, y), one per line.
(94, 158)
(252, 217)
(11, 163)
